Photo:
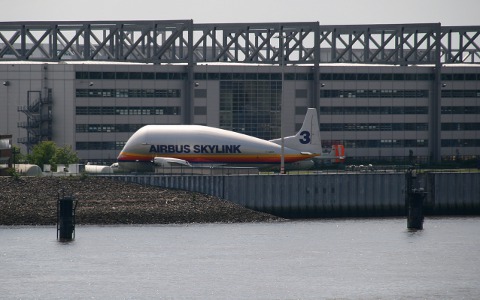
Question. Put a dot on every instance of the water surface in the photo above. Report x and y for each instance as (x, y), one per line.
(348, 259)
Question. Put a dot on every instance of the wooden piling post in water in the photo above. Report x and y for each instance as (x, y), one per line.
(414, 202)
(66, 206)
(415, 209)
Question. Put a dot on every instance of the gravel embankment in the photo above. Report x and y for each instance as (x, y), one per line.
(33, 201)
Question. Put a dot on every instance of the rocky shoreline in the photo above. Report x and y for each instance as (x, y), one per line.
(102, 201)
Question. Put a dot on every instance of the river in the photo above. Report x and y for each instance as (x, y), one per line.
(314, 259)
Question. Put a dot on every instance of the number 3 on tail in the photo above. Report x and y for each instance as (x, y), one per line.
(306, 137)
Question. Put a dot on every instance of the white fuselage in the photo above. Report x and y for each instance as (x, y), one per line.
(203, 145)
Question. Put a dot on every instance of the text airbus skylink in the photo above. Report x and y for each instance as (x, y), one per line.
(195, 149)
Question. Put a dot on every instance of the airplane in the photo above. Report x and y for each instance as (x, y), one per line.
(198, 145)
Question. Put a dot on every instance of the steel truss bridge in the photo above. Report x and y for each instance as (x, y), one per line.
(182, 41)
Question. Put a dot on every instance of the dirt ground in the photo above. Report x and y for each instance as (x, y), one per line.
(33, 201)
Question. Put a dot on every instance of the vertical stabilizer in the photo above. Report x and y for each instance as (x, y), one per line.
(307, 138)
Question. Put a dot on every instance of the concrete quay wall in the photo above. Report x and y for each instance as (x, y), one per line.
(330, 195)
(453, 193)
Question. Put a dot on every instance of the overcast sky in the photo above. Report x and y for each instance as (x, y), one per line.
(331, 12)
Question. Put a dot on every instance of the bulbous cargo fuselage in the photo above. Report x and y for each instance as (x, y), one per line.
(202, 145)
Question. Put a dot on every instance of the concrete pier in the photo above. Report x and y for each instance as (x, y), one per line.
(330, 195)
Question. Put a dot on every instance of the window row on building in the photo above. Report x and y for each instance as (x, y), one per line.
(398, 76)
(460, 143)
(132, 75)
(468, 110)
(385, 143)
(322, 76)
(99, 145)
(275, 76)
(461, 77)
(460, 126)
(176, 93)
(374, 93)
(249, 76)
(460, 94)
(117, 110)
(373, 126)
(79, 128)
(374, 110)
(377, 76)
(128, 93)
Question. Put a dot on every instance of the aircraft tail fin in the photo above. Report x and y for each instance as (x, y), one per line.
(307, 138)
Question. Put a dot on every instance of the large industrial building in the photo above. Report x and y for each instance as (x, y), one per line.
(386, 92)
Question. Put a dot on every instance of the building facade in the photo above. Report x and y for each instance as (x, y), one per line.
(379, 113)
(389, 92)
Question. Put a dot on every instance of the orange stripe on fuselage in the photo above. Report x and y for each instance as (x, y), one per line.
(217, 158)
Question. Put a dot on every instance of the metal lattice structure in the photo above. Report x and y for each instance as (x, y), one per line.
(138, 41)
(183, 41)
(382, 44)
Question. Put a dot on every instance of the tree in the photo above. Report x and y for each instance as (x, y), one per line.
(42, 153)
(47, 152)
(65, 155)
